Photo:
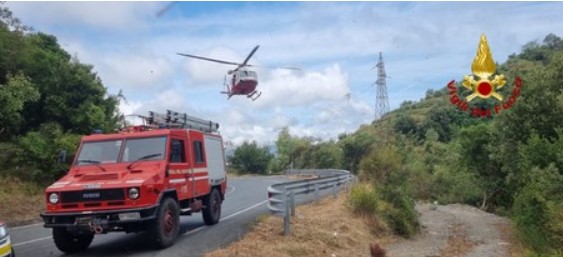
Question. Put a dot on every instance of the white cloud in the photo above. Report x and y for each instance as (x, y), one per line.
(100, 15)
(289, 88)
(424, 46)
(207, 71)
(130, 107)
(135, 71)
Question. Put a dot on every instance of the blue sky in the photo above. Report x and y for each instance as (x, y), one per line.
(424, 45)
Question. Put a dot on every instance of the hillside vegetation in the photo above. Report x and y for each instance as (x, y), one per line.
(48, 99)
(510, 163)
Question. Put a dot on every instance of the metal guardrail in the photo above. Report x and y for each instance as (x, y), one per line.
(282, 195)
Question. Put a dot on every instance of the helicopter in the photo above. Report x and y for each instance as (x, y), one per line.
(243, 80)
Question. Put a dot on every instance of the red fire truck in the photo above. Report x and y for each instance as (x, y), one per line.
(142, 178)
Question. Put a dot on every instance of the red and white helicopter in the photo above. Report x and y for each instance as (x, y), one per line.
(243, 80)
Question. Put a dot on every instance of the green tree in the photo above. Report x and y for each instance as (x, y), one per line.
(284, 145)
(538, 210)
(13, 96)
(249, 158)
(47, 100)
(39, 151)
(405, 124)
(70, 93)
(325, 155)
(354, 148)
(292, 151)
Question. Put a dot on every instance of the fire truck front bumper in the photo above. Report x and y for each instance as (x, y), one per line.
(102, 221)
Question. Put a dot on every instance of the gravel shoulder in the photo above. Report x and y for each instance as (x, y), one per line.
(455, 230)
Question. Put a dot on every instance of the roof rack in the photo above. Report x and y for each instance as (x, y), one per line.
(174, 119)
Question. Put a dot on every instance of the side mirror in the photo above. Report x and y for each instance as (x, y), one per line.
(62, 157)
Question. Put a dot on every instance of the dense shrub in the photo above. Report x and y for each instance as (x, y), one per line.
(455, 186)
(38, 152)
(391, 193)
(249, 158)
(380, 163)
(365, 200)
(393, 206)
(538, 210)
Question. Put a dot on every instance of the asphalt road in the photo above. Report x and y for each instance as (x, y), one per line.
(245, 200)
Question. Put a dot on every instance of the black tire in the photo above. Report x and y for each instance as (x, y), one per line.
(71, 243)
(212, 207)
(166, 227)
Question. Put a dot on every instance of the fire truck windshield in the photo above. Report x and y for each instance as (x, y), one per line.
(100, 152)
(140, 148)
(103, 152)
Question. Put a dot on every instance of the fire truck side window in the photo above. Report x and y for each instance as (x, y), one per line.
(177, 153)
(198, 150)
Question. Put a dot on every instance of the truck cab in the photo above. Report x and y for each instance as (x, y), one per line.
(142, 178)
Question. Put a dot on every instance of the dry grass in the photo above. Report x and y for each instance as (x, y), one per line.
(327, 228)
(20, 202)
(515, 248)
(458, 243)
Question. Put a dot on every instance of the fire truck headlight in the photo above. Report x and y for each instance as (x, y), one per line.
(133, 193)
(54, 198)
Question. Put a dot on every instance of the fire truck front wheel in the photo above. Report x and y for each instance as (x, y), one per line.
(166, 227)
(71, 243)
(212, 209)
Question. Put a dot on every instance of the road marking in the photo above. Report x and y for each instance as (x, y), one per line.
(245, 210)
(228, 193)
(193, 231)
(32, 241)
(226, 218)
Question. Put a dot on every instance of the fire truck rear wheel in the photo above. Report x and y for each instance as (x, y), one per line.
(71, 243)
(212, 210)
(166, 227)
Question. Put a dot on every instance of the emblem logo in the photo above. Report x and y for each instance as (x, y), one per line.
(91, 195)
(483, 86)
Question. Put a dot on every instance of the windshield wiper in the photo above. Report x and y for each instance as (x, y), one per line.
(97, 163)
(146, 157)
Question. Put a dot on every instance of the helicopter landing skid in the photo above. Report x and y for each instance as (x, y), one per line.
(229, 95)
(254, 95)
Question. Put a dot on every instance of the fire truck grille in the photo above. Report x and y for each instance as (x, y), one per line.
(93, 195)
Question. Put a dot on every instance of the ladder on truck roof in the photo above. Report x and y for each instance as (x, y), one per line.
(174, 119)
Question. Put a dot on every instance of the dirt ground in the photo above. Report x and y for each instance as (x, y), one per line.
(330, 229)
(457, 230)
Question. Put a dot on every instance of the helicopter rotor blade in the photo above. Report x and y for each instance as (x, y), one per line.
(209, 59)
(250, 55)
(165, 9)
(243, 64)
(270, 67)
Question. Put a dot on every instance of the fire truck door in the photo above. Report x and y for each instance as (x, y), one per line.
(178, 168)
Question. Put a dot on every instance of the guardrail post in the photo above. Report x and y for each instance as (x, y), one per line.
(292, 202)
(334, 189)
(286, 220)
(316, 191)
